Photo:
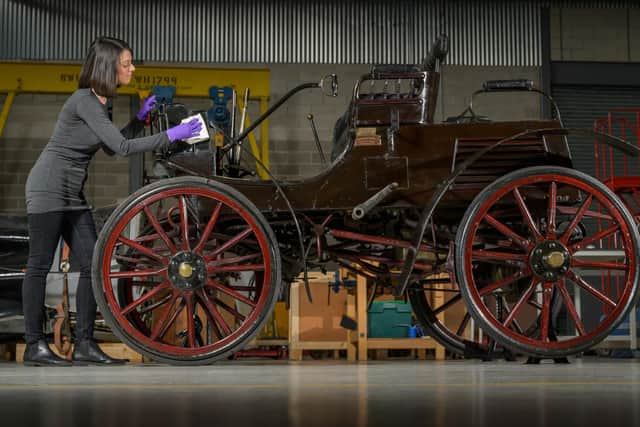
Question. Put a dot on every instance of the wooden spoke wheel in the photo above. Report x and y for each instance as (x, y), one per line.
(186, 271)
(531, 254)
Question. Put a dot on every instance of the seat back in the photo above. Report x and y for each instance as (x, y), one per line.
(405, 88)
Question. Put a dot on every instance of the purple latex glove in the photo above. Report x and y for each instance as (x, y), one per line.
(147, 105)
(185, 130)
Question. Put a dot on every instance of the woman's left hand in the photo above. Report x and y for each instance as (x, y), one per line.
(147, 105)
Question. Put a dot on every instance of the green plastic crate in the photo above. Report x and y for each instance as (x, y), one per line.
(385, 317)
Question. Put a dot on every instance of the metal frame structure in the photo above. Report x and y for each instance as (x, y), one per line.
(622, 181)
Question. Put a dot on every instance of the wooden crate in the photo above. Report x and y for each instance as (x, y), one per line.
(365, 343)
(7, 352)
(316, 325)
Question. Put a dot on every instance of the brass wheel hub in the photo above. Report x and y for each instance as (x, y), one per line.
(550, 260)
(187, 271)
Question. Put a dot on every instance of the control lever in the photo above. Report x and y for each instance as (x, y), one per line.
(244, 109)
(237, 149)
(234, 106)
(394, 126)
(316, 138)
(163, 117)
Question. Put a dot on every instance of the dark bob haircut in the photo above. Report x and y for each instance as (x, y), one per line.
(100, 69)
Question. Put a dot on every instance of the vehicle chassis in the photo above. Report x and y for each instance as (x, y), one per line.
(487, 214)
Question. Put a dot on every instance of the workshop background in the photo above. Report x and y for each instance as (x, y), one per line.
(302, 41)
(585, 53)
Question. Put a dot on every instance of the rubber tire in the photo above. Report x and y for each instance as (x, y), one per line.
(462, 237)
(432, 325)
(168, 184)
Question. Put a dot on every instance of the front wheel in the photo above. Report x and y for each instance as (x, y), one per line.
(536, 254)
(186, 271)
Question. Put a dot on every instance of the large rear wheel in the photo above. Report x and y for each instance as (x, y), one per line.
(548, 236)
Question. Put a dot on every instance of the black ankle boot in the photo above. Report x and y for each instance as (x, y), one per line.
(39, 354)
(87, 352)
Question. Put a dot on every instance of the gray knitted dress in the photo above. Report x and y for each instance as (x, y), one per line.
(57, 179)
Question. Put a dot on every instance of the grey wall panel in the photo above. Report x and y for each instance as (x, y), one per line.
(581, 105)
(497, 32)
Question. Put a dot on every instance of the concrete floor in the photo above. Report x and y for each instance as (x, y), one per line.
(589, 391)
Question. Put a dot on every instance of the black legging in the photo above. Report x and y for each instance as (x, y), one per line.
(78, 230)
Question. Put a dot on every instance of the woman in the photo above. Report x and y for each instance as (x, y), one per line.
(56, 206)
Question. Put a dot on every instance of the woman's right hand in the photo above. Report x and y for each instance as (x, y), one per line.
(185, 130)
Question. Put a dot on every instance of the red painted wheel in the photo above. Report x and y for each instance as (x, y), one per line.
(530, 254)
(198, 286)
(126, 289)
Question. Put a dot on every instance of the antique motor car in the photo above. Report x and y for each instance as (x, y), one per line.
(490, 217)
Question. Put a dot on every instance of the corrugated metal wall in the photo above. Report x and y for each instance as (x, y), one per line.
(581, 105)
(259, 31)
